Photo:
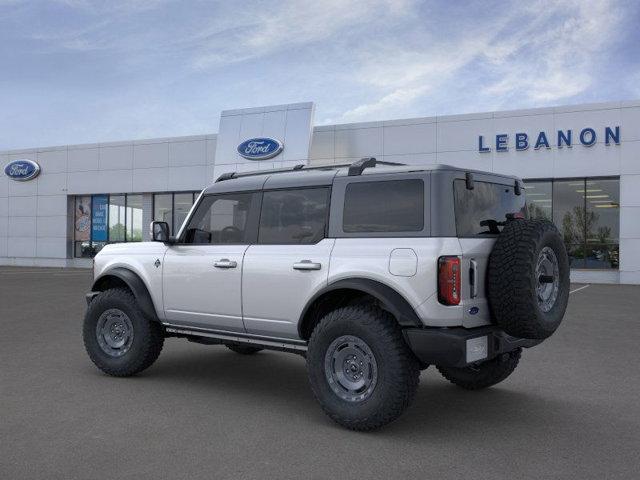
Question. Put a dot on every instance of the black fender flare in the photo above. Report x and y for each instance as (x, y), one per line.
(135, 284)
(389, 299)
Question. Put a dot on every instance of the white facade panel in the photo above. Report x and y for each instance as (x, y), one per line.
(52, 183)
(188, 153)
(22, 227)
(51, 247)
(21, 246)
(322, 145)
(53, 161)
(630, 119)
(117, 157)
(630, 157)
(187, 178)
(4, 226)
(4, 206)
(21, 206)
(629, 222)
(409, 139)
(358, 142)
(151, 155)
(630, 191)
(83, 158)
(23, 189)
(52, 226)
(150, 180)
(51, 205)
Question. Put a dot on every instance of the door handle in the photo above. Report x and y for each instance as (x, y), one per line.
(473, 278)
(225, 263)
(307, 265)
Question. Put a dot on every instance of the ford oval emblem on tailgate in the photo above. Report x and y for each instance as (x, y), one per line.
(474, 310)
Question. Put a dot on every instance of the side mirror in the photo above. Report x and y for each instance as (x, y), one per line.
(160, 231)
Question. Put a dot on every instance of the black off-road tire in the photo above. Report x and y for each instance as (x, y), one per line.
(243, 349)
(484, 375)
(513, 279)
(146, 344)
(398, 371)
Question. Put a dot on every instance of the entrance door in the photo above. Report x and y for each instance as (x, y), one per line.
(202, 275)
(290, 261)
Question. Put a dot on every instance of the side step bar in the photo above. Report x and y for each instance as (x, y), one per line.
(274, 343)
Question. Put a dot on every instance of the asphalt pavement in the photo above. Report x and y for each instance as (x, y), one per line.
(570, 410)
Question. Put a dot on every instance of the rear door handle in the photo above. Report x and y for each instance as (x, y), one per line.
(307, 265)
(473, 278)
(225, 263)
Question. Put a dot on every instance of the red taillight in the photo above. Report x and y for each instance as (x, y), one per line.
(449, 280)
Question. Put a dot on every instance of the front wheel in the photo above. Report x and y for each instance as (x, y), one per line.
(118, 337)
(361, 371)
(484, 375)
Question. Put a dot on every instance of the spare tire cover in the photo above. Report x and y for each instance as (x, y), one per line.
(528, 279)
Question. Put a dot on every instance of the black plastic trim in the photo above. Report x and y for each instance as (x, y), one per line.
(135, 284)
(389, 299)
(447, 346)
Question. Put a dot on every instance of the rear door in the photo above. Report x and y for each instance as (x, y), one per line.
(290, 261)
(480, 215)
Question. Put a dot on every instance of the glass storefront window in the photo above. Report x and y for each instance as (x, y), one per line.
(163, 208)
(134, 218)
(587, 213)
(173, 208)
(539, 199)
(117, 218)
(182, 203)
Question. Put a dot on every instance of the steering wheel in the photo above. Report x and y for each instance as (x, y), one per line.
(231, 233)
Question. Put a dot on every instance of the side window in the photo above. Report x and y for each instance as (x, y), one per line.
(386, 206)
(294, 216)
(220, 219)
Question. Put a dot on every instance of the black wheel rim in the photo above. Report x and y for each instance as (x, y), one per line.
(114, 332)
(351, 368)
(547, 279)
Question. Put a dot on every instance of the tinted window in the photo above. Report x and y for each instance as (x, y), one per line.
(294, 216)
(483, 210)
(220, 219)
(391, 206)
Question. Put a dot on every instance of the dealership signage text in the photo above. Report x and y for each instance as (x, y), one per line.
(564, 138)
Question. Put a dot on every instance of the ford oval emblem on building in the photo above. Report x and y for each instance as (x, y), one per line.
(260, 148)
(22, 170)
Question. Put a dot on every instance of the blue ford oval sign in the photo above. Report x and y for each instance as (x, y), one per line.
(260, 148)
(22, 170)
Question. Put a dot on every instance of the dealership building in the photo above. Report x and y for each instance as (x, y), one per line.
(581, 165)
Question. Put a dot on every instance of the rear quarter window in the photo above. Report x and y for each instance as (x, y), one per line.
(483, 210)
(384, 206)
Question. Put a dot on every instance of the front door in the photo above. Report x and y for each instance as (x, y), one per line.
(289, 263)
(202, 276)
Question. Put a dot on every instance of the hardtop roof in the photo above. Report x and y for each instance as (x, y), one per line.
(304, 176)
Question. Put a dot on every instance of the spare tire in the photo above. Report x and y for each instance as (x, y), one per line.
(528, 279)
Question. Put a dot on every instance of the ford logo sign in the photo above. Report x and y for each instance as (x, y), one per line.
(260, 148)
(474, 310)
(22, 170)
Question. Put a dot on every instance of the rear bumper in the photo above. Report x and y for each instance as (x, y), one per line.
(460, 347)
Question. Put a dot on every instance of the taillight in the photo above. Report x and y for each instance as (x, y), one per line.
(449, 280)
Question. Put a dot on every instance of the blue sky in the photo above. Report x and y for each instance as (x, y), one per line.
(79, 71)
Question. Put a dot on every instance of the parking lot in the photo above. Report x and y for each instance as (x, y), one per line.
(571, 409)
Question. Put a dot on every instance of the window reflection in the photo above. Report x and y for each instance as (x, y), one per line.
(134, 218)
(587, 214)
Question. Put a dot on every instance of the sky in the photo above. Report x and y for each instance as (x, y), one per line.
(80, 71)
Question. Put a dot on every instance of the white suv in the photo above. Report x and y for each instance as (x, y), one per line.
(371, 273)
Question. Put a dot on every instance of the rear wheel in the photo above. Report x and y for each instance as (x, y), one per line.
(484, 375)
(118, 337)
(243, 349)
(361, 371)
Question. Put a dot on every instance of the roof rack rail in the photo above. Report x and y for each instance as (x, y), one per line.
(355, 168)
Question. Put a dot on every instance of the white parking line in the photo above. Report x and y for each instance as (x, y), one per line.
(580, 288)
